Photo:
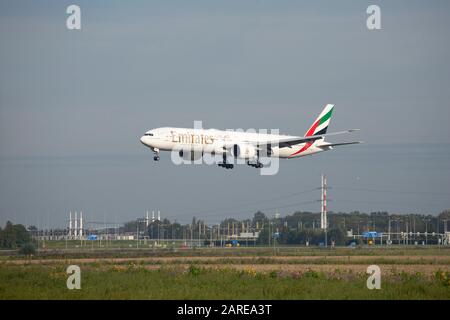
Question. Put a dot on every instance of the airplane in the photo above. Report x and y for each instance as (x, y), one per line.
(243, 145)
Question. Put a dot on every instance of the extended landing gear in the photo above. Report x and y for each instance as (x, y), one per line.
(224, 164)
(156, 153)
(257, 164)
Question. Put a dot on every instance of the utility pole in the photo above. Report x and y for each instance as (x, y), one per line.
(76, 226)
(81, 225)
(274, 239)
(323, 214)
(70, 227)
(389, 230)
(444, 236)
(211, 242)
(70, 224)
(407, 234)
(137, 234)
(137, 231)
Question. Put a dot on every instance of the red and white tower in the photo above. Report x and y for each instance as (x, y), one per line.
(70, 224)
(81, 225)
(76, 226)
(323, 214)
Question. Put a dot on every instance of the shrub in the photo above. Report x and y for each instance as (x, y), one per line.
(312, 274)
(194, 270)
(443, 277)
(27, 249)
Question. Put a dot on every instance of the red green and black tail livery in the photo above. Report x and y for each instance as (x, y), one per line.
(320, 126)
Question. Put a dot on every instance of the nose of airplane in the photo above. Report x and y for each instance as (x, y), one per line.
(143, 140)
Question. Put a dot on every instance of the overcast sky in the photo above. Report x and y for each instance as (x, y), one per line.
(73, 105)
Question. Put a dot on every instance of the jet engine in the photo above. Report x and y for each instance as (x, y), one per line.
(244, 151)
(190, 155)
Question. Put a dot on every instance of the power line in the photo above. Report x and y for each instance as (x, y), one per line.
(264, 209)
(391, 191)
(253, 203)
(382, 202)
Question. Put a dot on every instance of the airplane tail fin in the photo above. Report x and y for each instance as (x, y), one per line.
(320, 126)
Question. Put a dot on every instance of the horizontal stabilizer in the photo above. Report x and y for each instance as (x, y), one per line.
(327, 144)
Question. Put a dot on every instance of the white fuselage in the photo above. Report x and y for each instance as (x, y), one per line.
(213, 141)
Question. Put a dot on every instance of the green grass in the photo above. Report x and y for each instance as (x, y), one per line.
(56, 250)
(136, 282)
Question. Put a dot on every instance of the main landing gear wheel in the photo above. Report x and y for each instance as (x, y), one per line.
(255, 165)
(224, 164)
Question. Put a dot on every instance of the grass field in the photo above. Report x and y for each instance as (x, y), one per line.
(234, 273)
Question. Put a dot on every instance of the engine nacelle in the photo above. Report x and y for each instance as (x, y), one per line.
(244, 151)
(190, 155)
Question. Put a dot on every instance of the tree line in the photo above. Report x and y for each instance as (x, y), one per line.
(297, 228)
(13, 236)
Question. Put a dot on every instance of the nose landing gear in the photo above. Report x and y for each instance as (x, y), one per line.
(156, 153)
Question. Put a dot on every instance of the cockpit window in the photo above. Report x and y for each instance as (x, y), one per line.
(149, 134)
